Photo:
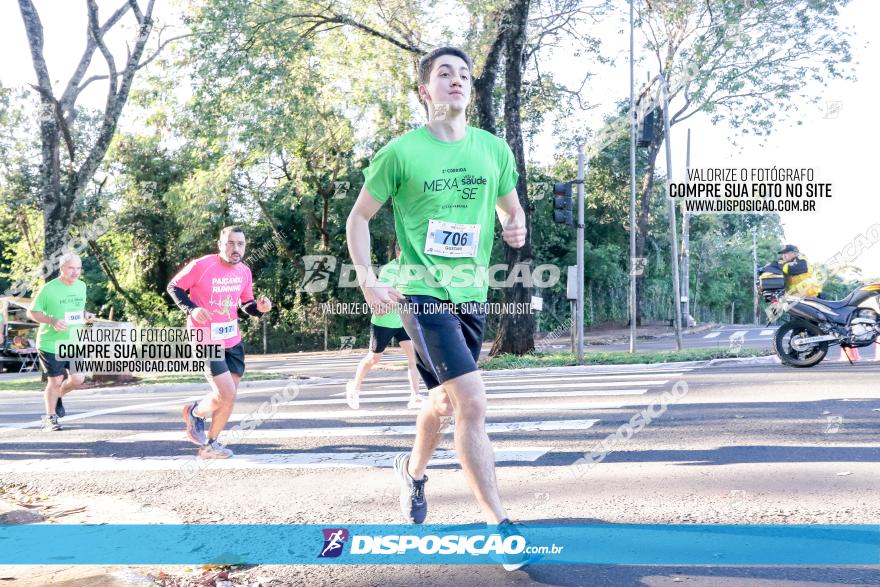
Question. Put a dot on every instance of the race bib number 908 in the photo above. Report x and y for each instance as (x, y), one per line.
(74, 317)
(447, 239)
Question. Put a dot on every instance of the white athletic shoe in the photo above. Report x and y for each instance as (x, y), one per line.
(415, 402)
(352, 395)
(214, 450)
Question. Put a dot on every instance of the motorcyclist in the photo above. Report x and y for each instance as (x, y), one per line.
(798, 273)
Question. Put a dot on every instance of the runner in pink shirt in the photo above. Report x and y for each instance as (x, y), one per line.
(210, 290)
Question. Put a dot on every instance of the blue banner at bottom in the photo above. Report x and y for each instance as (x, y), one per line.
(606, 544)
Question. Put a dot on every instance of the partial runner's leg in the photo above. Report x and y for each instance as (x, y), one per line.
(468, 397)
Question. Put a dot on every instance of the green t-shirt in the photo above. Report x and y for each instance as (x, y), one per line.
(62, 302)
(444, 196)
(388, 276)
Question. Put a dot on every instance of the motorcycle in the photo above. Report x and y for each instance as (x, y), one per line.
(815, 324)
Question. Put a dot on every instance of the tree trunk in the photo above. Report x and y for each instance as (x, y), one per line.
(484, 102)
(516, 331)
(59, 194)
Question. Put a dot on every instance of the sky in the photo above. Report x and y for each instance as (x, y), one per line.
(834, 138)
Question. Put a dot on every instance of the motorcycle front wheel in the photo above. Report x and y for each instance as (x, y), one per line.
(805, 357)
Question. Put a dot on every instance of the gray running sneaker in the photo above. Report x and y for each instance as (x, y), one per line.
(50, 423)
(214, 450)
(195, 426)
(413, 504)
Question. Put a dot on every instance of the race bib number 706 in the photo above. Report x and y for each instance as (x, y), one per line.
(448, 239)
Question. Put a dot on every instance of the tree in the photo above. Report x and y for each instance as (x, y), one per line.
(743, 61)
(66, 170)
(506, 37)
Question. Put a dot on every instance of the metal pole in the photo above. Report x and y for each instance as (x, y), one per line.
(632, 185)
(673, 231)
(580, 255)
(754, 274)
(686, 249)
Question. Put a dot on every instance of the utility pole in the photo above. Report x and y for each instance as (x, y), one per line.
(676, 284)
(580, 254)
(686, 248)
(754, 272)
(632, 185)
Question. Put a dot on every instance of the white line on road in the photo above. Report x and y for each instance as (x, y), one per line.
(70, 417)
(353, 431)
(652, 383)
(492, 409)
(767, 332)
(712, 334)
(490, 396)
(738, 334)
(243, 461)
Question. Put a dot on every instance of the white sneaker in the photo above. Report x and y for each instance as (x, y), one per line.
(352, 395)
(415, 402)
(214, 450)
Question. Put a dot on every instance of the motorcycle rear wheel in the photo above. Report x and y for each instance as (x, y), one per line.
(795, 329)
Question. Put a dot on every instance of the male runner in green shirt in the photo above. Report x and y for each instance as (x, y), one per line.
(59, 308)
(447, 181)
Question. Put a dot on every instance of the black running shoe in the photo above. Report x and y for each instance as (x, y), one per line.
(59, 409)
(413, 504)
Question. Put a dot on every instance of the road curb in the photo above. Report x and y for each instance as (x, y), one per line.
(765, 360)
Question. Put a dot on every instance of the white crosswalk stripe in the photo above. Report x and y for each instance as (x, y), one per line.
(713, 335)
(490, 389)
(491, 428)
(767, 332)
(245, 461)
(406, 413)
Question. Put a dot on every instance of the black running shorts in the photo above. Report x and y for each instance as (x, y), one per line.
(447, 337)
(51, 365)
(233, 362)
(380, 337)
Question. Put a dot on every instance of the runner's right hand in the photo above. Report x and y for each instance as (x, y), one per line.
(201, 315)
(381, 299)
(59, 325)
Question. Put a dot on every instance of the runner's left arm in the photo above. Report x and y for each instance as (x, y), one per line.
(251, 306)
(512, 218)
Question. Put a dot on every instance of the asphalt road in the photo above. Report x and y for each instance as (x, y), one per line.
(745, 445)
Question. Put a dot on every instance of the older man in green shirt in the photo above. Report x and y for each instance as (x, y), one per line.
(59, 308)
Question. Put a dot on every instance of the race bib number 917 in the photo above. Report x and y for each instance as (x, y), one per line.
(447, 239)
(224, 330)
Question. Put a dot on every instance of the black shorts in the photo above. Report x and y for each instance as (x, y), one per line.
(52, 366)
(233, 362)
(447, 337)
(380, 337)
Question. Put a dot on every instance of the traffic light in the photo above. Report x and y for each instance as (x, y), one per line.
(562, 204)
(646, 128)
